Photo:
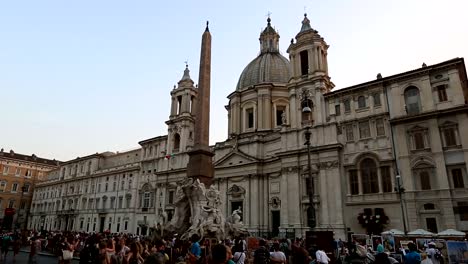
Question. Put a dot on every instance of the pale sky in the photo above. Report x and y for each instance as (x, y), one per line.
(80, 77)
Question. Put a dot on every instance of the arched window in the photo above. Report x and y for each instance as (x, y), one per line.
(425, 179)
(412, 100)
(176, 142)
(370, 182)
(361, 102)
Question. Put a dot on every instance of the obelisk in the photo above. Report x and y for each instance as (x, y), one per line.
(200, 165)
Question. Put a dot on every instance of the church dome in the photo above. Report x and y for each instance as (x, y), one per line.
(269, 66)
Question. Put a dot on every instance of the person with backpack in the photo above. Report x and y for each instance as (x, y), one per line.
(239, 254)
(6, 240)
(434, 254)
(262, 255)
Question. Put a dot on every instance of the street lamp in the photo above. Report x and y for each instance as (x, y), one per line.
(311, 221)
(400, 189)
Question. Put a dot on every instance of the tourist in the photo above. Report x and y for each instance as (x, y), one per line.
(425, 259)
(262, 255)
(6, 240)
(277, 257)
(433, 253)
(16, 247)
(194, 253)
(134, 256)
(321, 256)
(158, 256)
(381, 257)
(219, 254)
(299, 254)
(239, 254)
(413, 256)
(34, 249)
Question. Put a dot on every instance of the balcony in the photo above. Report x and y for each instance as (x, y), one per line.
(142, 223)
(102, 211)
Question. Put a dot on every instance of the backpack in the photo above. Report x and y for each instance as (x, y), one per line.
(284, 247)
(438, 255)
(261, 256)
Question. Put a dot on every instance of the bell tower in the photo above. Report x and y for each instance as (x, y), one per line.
(181, 121)
(310, 79)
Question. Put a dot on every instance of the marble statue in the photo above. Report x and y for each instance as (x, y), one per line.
(197, 212)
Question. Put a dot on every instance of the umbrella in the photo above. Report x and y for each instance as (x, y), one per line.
(451, 233)
(420, 232)
(394, 232)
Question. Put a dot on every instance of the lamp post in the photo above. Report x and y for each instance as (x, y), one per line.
(400, 190)
(311, 221)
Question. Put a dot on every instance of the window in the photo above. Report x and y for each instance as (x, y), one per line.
(106, 187)
(462, 210)
(369, 176)
(127, 205)
(14, 187)
(3, 185)
(122, 185)
(11, 204)
(429, 206)
(425, 179)
(431, 225)
(337, 110)
(376, 97)
(386, 179)
(442, 93)
(379, 127)
(112, 203)
(361, 102)
(18, 172)
(125, 225)
(171, 197)
(179, 104)
(349, 133)
(5, 170)
(176, 142)
(354, 182)
(419, 140)
(26, 187)
(364, 129)
(120, 202)
(412, 100)
(457, 177)
(347, 106)
(304, 62)
(250, 117)
(450, 136)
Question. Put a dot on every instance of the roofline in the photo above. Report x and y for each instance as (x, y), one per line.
(411, 72)
(151, 139)
(32, 159)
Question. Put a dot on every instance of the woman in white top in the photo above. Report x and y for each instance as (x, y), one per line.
(277, 257)
(239, 254)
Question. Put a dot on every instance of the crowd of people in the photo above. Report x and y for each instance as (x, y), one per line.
(107, 248)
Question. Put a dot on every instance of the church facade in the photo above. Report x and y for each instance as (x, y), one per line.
(388, 153)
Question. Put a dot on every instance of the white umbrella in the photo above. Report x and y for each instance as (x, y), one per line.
(420, 232)
(451, 233)
(393, 232)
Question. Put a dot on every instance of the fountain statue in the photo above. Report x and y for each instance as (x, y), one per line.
(197, 212)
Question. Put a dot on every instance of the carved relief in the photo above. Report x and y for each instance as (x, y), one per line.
(275, 187)
(275, 202)
(236, 191)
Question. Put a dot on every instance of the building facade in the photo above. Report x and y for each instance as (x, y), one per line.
(371, 143)
(18, 176)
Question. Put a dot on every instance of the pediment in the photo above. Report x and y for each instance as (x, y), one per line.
(234, 158)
